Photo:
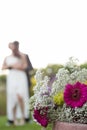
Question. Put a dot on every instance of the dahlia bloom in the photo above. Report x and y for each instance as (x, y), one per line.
(41, 117)
(75, 95)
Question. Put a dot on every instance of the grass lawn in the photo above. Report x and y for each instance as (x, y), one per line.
(28, 126)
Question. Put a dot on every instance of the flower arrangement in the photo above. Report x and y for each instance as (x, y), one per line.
(65, 100)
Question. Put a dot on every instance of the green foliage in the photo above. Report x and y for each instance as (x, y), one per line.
(52, 69)
(83, 65)
(2, 79)
(2, 102)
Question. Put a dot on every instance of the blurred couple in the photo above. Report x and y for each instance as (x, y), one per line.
(17, 86)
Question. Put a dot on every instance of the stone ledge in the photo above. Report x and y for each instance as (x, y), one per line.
(69, 126)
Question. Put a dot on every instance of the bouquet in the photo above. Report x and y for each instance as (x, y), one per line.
(65, 100)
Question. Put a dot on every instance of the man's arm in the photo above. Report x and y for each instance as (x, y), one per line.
(23, 64)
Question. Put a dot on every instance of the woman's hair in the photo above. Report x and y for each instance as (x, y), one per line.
(16, 43)
(14, 46)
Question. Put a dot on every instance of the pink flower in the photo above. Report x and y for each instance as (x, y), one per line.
(75, 95)
(41, 118)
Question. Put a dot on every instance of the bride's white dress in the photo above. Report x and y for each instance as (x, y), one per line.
(16, 84)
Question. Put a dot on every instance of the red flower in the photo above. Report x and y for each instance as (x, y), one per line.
(75, 95)
(40, 117)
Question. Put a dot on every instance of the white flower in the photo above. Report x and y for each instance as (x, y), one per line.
(43, 93)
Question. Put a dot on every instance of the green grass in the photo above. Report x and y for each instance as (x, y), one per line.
(28, 126)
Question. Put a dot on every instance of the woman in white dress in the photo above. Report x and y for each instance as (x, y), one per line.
(17, 85)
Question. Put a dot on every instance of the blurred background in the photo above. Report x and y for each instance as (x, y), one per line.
(49, 31)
